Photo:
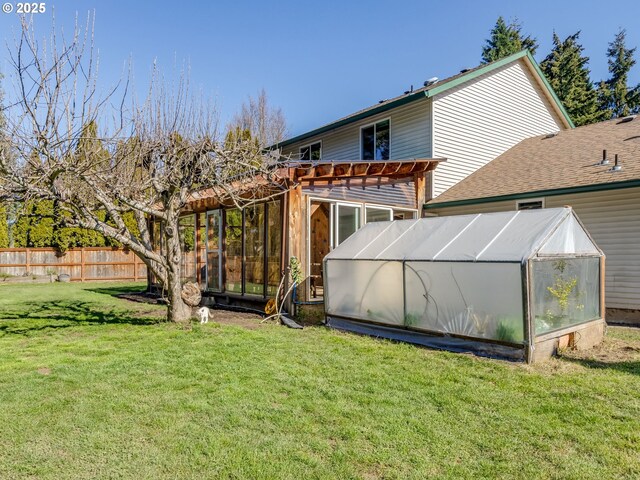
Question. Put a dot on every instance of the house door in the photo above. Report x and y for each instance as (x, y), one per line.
(320, 243)
(214, 246)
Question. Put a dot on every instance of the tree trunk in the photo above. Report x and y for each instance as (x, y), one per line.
(177, 310)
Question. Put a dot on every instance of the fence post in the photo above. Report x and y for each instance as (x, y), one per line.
(82, 264)
(28, 263)
(135, 267)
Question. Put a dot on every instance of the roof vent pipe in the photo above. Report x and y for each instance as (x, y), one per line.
(616, 167)
(604, 161)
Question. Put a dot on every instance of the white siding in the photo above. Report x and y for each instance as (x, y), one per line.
(613, 219)
(477, 121)
(410, 135)
(399, 194)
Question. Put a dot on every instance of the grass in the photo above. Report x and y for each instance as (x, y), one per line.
(92, 386)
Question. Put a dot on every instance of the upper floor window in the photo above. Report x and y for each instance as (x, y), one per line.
(311, 152)
(375, 141)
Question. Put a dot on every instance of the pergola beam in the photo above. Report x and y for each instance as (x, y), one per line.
(314, 172)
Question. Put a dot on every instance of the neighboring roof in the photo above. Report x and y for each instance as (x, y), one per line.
(551, 165)
(490, 237)
(432, 90)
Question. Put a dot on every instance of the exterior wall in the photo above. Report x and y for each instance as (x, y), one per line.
(397, 194)
(612, 217)
(477, 121)
(410, 135)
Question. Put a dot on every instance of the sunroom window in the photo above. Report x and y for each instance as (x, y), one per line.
(375, 141)
(252, 241)
(378, 214)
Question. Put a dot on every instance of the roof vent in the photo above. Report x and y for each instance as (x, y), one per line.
(409, 91)
(605, 160)
(551, 135)
(616, 166)
(465, 70)
(431, 81)
(382, 101)
(628, 119)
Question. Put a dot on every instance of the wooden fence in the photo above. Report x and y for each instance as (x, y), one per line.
(81, 264)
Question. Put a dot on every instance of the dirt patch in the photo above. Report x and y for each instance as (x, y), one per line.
(226, 317)
(623, 316)
(141, 297)
(44, 371)
(235, 318)
(611, 350)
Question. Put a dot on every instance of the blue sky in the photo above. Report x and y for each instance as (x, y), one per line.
(319, 61)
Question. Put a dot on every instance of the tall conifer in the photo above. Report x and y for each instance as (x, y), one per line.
(615, 97)
(505, 40)
(566, 69)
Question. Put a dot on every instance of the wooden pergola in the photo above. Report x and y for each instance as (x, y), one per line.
(363, 172)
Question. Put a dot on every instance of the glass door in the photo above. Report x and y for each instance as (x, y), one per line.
(348, 221)
(214, 246)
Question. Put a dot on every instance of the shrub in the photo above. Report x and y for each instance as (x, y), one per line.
(4, 228)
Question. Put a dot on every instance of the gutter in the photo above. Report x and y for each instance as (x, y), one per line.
(598, 187)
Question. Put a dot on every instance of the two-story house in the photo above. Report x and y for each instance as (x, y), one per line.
(376, 164)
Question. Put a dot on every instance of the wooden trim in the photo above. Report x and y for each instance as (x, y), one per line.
(603, 308)
(563, 331)
(391, 169)
(197, 248)
(419, 180)
(526, 277)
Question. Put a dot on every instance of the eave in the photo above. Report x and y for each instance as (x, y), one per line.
(598, 187)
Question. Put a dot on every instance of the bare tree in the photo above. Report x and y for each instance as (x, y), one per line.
(265, 123)
(151, 160)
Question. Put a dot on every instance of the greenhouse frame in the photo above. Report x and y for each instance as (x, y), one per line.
(516, 285)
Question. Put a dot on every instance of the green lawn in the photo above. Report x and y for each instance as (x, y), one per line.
(92, 386)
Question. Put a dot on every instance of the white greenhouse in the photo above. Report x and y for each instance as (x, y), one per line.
(517, 285)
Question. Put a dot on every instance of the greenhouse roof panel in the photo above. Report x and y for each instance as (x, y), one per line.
(491, 237)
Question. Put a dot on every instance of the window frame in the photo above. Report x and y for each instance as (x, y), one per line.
(359, 207)
(219, 250)
(413, 211)
(309, 145)
(368, 206)
(374, 124)
(271, 207)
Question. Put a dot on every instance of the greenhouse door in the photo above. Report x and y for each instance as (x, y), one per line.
(214, 240)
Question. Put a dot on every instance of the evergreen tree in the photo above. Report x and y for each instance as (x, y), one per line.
(4, 228)
(566, 69)
(506, 39)
(42, 224)
(20, 229)
(615, 97)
